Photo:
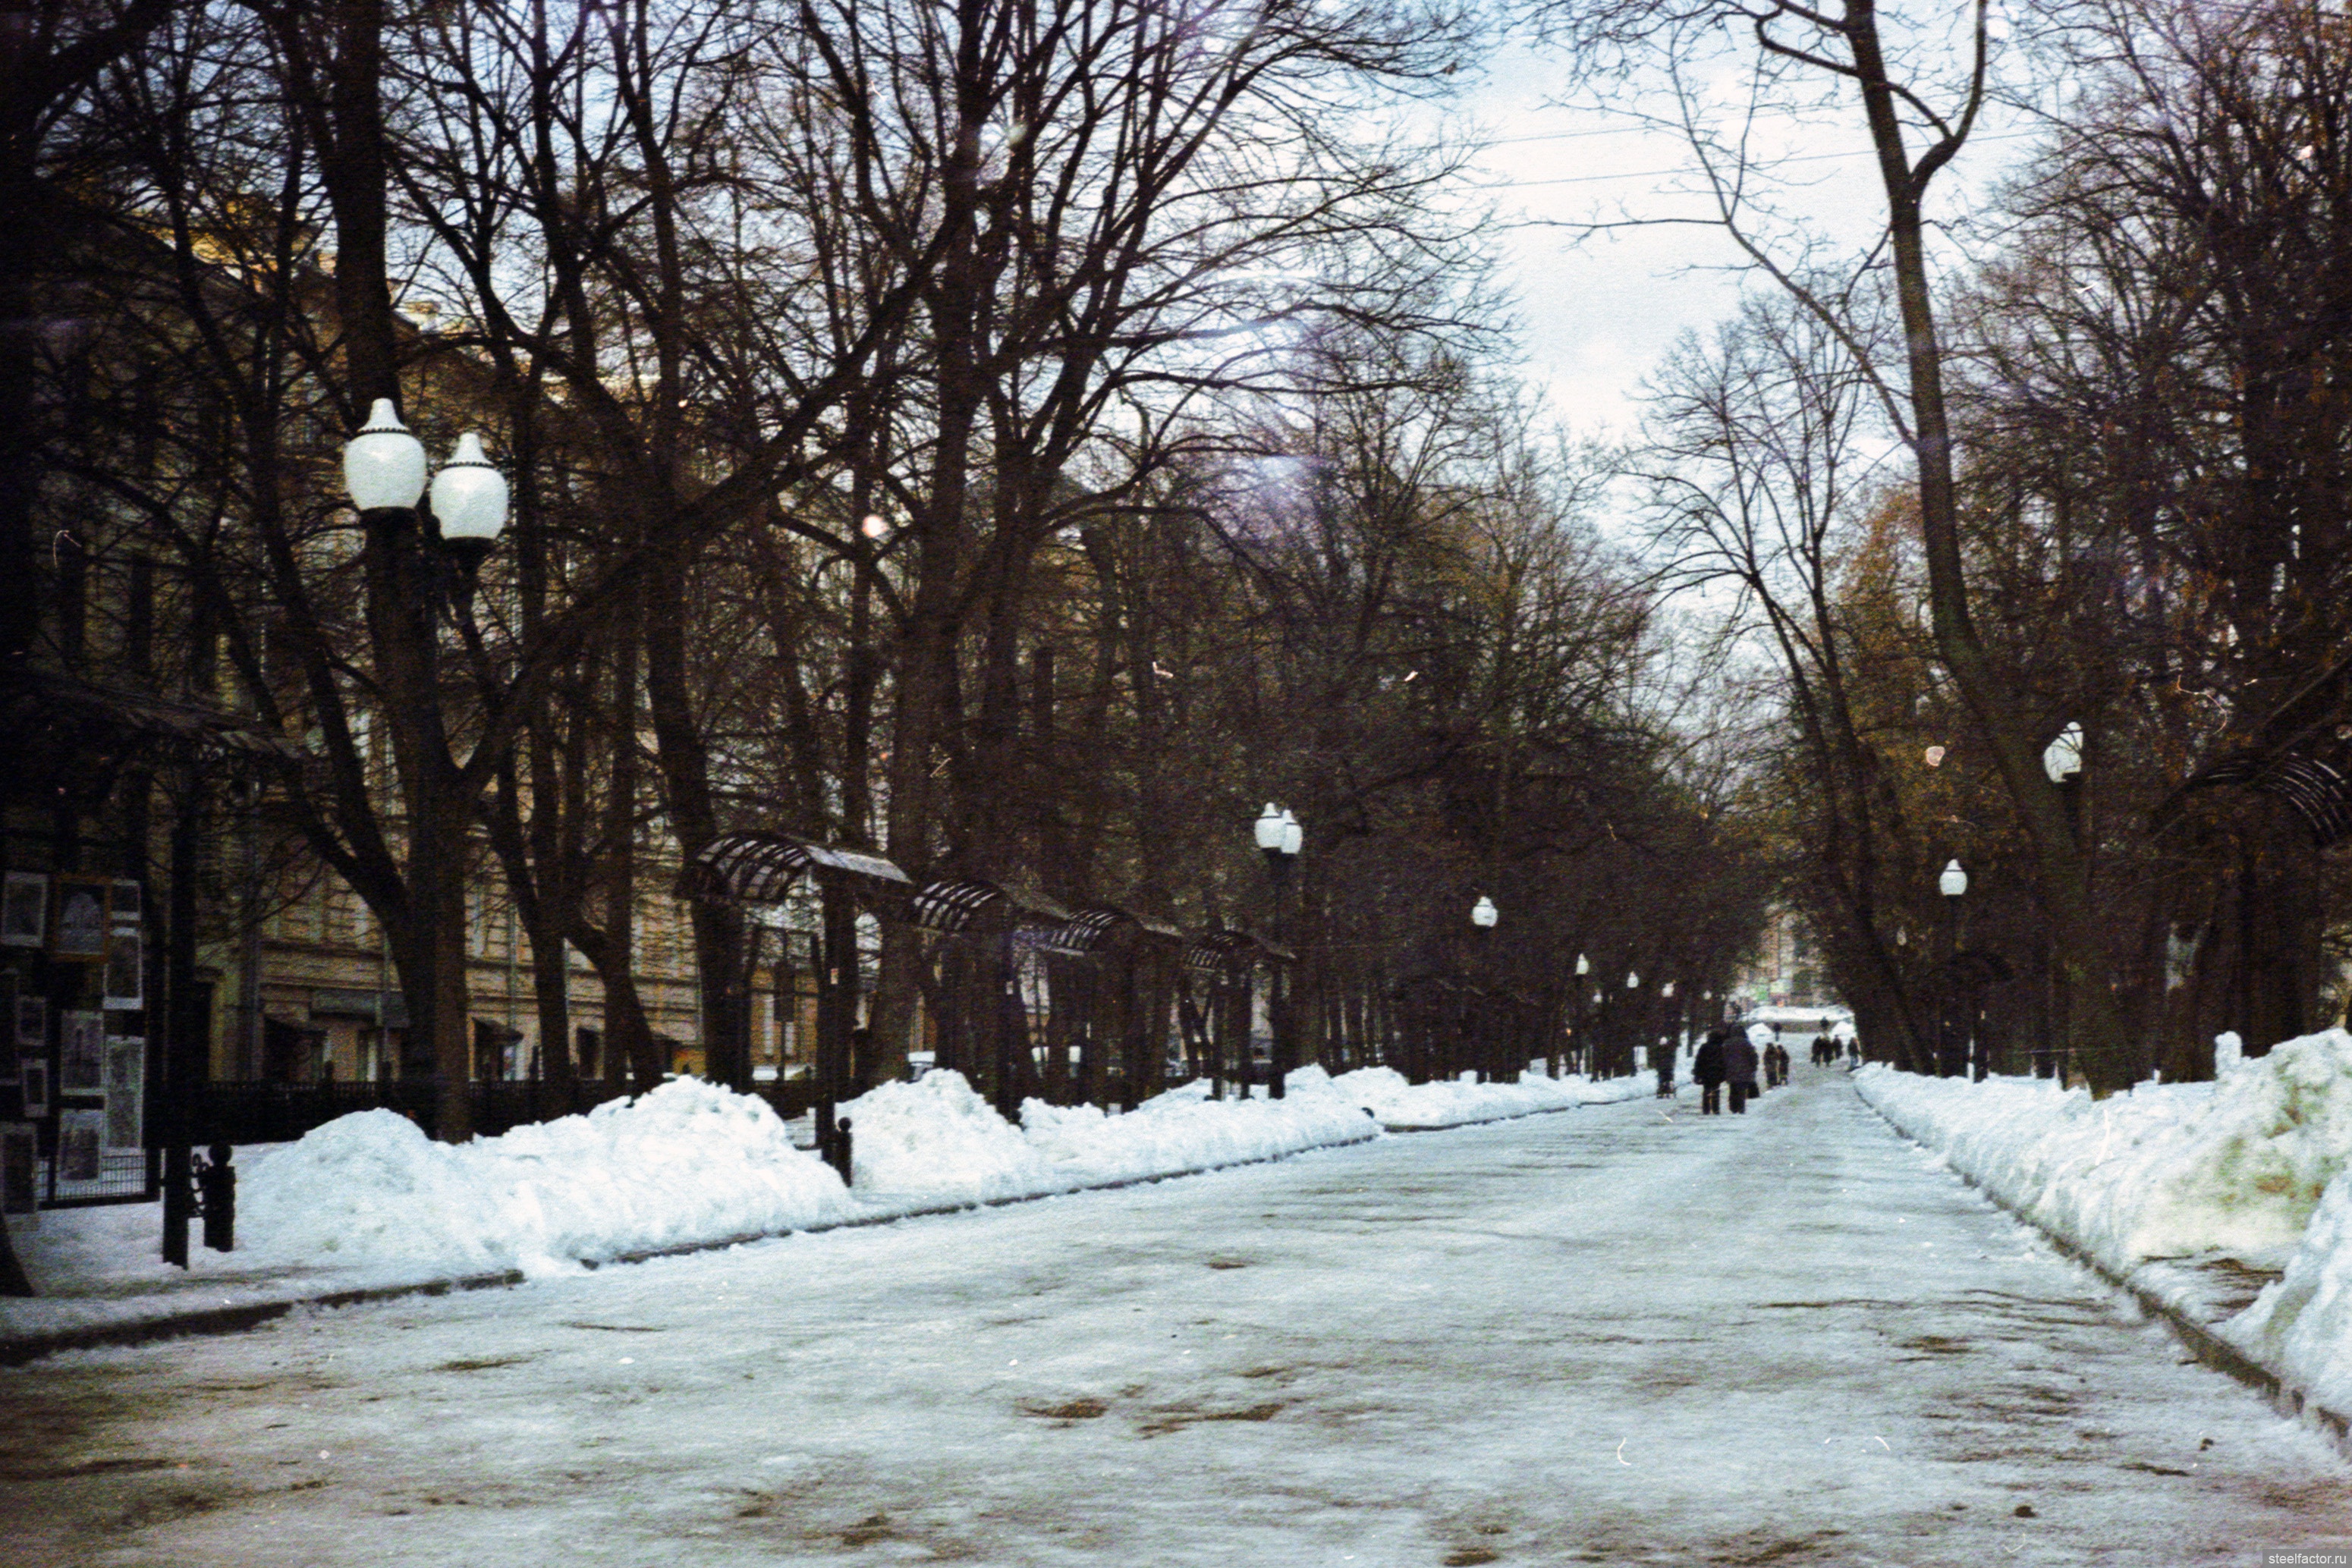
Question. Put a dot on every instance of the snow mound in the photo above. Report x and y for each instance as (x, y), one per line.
(2302, 1325)
(938, 1138)
(2168, 1170)
(1385, 1091)
(692, 1164)
(2255, 1167)
(688, 1162)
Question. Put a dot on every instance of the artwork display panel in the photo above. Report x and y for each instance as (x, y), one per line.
(20, 1169)
(81, 1053)
(126, 969)
(32, 1077)
(81, 929)
(32, 1025)
(126, 1092)
(126, 901)
(25, 909)
(9, 982)
(81, 1139)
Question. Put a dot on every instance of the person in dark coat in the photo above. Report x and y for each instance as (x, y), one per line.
(1739, 1071)
(1707, 1066)
(1662, 1056)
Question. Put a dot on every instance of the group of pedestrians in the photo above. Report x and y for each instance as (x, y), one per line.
(1725, 1057)
(1732, 1058)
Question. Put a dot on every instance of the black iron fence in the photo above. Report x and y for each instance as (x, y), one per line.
(281, 1113)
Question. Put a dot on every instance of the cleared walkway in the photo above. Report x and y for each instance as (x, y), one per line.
(1618, 1335)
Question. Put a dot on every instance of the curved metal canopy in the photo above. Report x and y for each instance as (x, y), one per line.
(971, 906)
(762, 867)
(2318, 791)
(1230, 949)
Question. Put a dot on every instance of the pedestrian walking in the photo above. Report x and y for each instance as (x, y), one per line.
(1707, 1066)
(1662, 1058)
(1740, 1064)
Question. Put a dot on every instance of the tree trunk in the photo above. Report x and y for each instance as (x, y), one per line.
(2062, 871)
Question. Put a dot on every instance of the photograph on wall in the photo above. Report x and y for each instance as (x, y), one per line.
(81, 929)
(80, 1135)
(20, 1169)
(126, 1092)
(9, 983)
(126, 901)
(126, 969)
(25, 909)
(32, 1025)
(32, 1077)
(81, 1053)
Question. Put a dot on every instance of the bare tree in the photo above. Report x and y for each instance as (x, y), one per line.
(2158, 348)
(1758, 459)
(1919, 90)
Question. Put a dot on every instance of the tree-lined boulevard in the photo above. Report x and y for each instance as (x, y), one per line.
(574, 569)
(1621, 1335)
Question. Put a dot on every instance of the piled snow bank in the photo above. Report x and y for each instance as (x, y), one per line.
(938, 1139)
(2301, 1326)
(370, 1197)
(1385, 1091)
(2234, 1168)
(2252, 1167)
(692, 1163)
(688, 1162)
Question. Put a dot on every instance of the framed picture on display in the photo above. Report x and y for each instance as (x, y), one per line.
(81, 929)
(80, 1138)
(126, 969)
(32, 1025)
(20, 1191)
(33, 1078)
(25, 909)
(126, 901)
(9, 980)
(81, 1053)
(126, 1092)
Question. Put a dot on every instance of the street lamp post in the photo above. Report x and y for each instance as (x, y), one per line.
(1953, 884)
(1672, 1018)
(1483, 915)
(2061, 760)
(1634, 1018)
(1583, 1063)
(420, 551)
(1279, 839)
(384, 472)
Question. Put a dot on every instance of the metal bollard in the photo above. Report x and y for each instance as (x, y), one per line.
(179, 1202)
(841, 1149)
(217, 1181)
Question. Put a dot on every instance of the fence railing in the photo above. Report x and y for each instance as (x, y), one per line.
(281, 1113)
(257, 1112)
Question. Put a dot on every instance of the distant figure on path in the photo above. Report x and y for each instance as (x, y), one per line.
(1739, 1061)
(1707, 1066)
(1662, 1058)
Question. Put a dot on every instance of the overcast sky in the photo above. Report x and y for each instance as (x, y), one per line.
(1597, 312)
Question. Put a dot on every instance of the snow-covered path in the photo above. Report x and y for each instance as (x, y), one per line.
(1606, 1336)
